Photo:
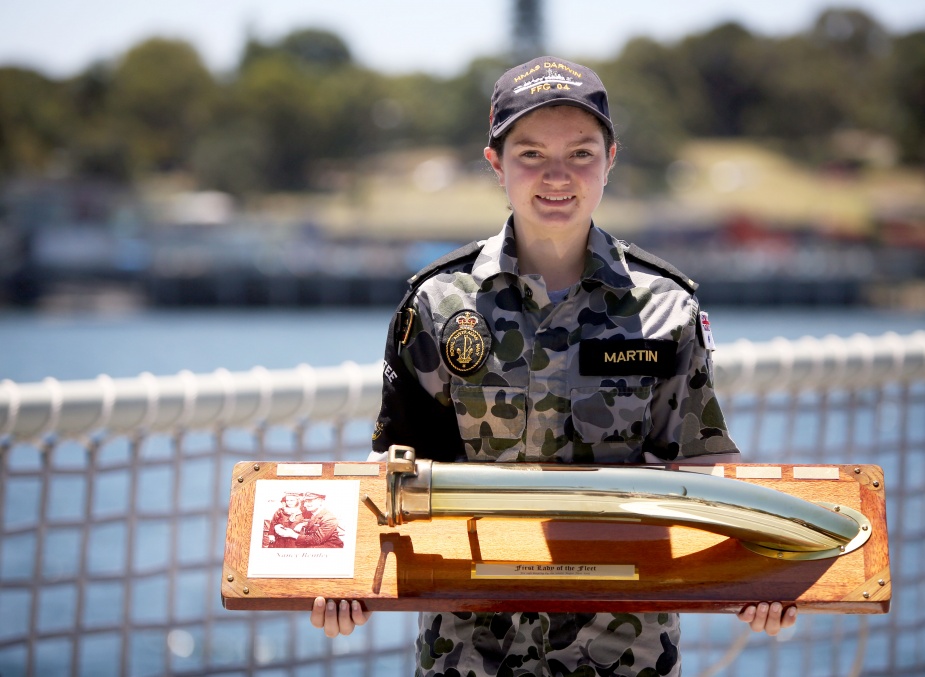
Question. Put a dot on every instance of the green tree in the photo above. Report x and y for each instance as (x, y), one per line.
(97, 147)
(307, 104)
(306, 113)
(35, 118)
(730, 64)
(836, 76)
(161, 99)
(467, 102)
(652, 94)
(859, 68)
(306, 46)
(854, 35)
(908, 83)
(299, 105)
(316, 47)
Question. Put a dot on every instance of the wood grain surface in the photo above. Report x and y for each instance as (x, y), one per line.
(427, 566)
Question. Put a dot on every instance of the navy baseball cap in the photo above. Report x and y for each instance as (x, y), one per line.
(546, 81)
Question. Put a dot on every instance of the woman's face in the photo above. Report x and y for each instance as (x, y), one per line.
(554, 168)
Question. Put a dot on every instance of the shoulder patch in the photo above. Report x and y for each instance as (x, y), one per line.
(704, 332)
(635, 253)
(405, 314)
(459, 255)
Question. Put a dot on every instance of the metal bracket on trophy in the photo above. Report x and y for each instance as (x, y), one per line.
(414, 535)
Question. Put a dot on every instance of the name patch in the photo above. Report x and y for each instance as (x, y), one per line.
(630, 357)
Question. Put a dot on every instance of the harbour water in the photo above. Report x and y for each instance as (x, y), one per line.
(34, 345)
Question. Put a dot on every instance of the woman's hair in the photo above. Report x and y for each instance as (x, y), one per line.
(497, 143)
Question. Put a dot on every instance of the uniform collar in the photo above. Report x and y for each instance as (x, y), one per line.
(604, 260)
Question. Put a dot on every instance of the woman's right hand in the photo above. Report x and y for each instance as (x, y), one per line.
(338, 619)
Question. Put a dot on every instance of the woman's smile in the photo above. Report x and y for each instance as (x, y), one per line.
(554, 167)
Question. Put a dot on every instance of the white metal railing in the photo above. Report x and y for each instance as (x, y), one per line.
(113, 500)
(150, 404)
(222, 399)
(828, 363)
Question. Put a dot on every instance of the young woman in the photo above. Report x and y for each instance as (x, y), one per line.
(542, 304)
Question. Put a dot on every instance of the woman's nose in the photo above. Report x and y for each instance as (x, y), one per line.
(556, 173)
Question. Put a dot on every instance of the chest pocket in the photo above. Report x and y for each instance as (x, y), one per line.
(491, 419)
(614, 417)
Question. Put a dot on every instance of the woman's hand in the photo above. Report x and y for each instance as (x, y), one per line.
(769, 618)
(338, 619)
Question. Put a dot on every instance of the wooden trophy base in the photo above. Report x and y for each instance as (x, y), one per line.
(512, 564)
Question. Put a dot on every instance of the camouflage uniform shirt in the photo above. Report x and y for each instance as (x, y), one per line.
(614, 373)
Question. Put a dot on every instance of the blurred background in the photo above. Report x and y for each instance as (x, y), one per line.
(292, 154)
(218, 186)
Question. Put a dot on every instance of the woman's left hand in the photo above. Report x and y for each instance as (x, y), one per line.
(769, 618)
(338, 619)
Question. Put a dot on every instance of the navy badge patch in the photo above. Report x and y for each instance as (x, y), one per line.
(465, 343)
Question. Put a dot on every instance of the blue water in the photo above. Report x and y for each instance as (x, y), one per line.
(78, 346)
